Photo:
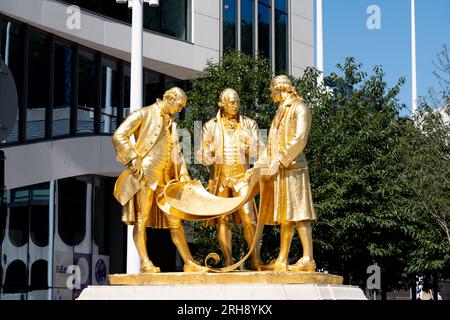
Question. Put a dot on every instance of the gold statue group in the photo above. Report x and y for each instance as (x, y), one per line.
(153, 160)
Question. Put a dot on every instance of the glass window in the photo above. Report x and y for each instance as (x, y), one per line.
(229, 24)
(39, 273)
(264, 20)
(72, 210)
(3, 213)
(87, 91)
(39, 210)
(101, 217)
(126, 89)
(170, 17)
(19, 217)
(281, 30)
(38, 84)
(152, 18)
(16, 277)
(247, 18)
(12, 51)
(152, 87)
(172, 82)
(174, 16)
(113, 10)
(18, 225)
(110, 95)
(63, 88)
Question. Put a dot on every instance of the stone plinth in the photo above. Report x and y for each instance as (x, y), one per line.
(267, 285)
(224, 292)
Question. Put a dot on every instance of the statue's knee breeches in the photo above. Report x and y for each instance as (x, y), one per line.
(175, 223)
(143, 201)
(225, 219)
(246, 213)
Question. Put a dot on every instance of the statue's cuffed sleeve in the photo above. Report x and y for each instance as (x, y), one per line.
(177, 159)
(121, 138)
(254, 143)
(298, 141)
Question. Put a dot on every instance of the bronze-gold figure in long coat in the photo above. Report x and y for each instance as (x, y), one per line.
(285, 189)
(152, 161)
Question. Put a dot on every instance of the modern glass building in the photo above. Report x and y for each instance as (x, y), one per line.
(70, 62)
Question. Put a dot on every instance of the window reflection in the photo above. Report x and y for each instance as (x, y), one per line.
(174, 14)
(63, 88)
(262, 26)
(126, 89)
(72, 211)
(16, 278)
(39, 211)
(87, 91)
(264, 21)
(3, 214)
(19, 217)
(38, 279)
(110, 95)
(247, 19)
(66, 58)
(169, 18)
(281, 29)
(229, 24)
(152, 87)
(12, 51)
(38, 84)
(101, 201)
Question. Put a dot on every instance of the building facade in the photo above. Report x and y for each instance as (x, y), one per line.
(60, 227)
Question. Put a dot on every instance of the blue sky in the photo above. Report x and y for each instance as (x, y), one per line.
(346, 34)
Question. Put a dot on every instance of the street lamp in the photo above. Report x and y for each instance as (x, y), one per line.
(136, 98)
(152, 3)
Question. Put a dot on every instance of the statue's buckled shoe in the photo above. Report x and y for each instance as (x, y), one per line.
(275, 265)
(192, 266)
(301, 265)
(149, 268)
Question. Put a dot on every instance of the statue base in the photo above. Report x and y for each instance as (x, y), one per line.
(234, 277)
(266, 285)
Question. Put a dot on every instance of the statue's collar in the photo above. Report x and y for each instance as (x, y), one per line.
(290, 100)
(161, 104)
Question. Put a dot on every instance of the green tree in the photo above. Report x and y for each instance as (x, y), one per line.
(427, 158)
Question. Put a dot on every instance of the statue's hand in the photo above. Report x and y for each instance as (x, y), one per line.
(208, 157)
(248, 174)
(185, 178)
(272, 169)
(136, 168)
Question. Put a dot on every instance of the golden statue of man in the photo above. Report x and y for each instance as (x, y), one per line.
(228, 141)
(284, 187)
(152, 161)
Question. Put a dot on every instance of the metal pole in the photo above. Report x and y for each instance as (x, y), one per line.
(319, 53)
(136, 94)
(8, 30)
(108, 105)
(413, 58)
(51, 237)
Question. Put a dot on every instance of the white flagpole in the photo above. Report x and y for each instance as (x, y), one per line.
(413, 58)
(136, 102)
(319, 31)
